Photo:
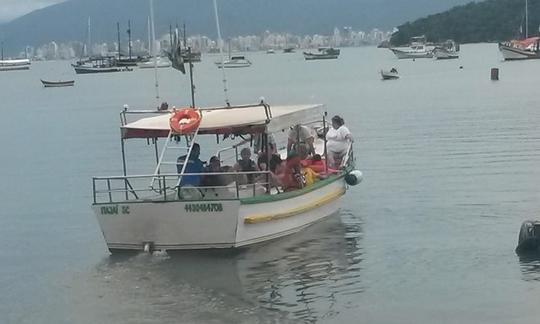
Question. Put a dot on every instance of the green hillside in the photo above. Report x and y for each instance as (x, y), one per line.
(487, 21)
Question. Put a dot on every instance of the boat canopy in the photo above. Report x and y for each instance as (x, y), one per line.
(525, 43)
(237, 120)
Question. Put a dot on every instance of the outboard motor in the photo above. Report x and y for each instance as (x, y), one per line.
(354, 177)
(529, 237)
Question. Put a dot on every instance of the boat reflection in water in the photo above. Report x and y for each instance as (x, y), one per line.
(299, 278)
(530, 265)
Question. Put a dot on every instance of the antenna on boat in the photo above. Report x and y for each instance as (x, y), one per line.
(220, 45)
(152, 47)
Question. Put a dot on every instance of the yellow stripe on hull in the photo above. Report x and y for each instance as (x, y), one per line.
(312, 205)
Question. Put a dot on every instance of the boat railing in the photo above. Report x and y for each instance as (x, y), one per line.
(117, 189)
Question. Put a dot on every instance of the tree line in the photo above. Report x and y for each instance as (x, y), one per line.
(487, 21)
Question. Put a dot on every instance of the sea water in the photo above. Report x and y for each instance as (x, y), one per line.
(451, 169)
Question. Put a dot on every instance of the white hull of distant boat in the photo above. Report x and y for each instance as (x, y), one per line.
(234, 63)
(14, 65)
(58, 84)
(389, 75)
(404, 53)
(443, 54)
(161, 63)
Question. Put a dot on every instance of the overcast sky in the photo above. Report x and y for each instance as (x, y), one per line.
(10, 9)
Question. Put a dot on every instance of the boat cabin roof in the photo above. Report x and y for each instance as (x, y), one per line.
(248, 119)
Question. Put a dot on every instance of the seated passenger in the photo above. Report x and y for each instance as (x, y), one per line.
(246, 164)
(214, 165)
(293, 178)
(194, 165)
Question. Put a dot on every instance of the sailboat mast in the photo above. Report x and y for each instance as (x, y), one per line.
(220, 44)
(118, 33)
(88, 38)
(129, 38)
(526, 19)
(152, 48)
(2, 45)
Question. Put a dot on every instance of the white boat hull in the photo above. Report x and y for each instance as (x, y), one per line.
(405, 54)
(180, 225)
(233, 65)
(442, 54)
(511, 53)
(387, 75)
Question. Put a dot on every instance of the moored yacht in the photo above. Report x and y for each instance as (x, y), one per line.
(418, 48)
(323, 53)
(238, 61)
(12, 65)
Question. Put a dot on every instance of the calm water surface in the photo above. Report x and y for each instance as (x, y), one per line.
(450, 160)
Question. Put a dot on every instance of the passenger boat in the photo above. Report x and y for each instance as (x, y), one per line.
(324, 53)
(102, 64)
(53, 84)
(234, 62)
(417, 49)
(389, 74)
(157, 211)
(12, 65)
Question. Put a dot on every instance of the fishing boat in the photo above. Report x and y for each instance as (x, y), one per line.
(446, 51)
(160, 211)
(101, 64)
(391, 74)
(524, 49)
(417, 48)
(13, 65)
(521, 49)
(56, 84)
(323, 53)
(238, 61)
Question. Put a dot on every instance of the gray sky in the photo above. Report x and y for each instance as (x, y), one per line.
(10, 9)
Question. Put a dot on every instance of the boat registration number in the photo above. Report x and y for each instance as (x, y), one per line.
(204, 208)
(114, 210)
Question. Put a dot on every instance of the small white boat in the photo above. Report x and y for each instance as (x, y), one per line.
(159, 211)
(270, 51)
(161, 63)
(13, 65)
(234, 62)
(323, 53)
(389, 74)
(417, 49)
(56, 84)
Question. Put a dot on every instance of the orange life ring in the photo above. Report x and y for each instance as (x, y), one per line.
(185, 120)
